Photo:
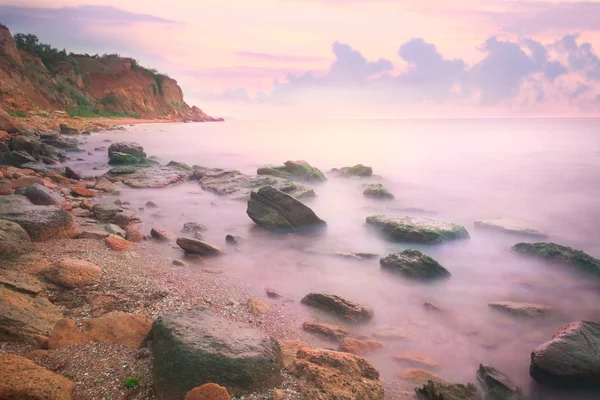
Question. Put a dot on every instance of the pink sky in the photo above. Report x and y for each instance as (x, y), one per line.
(227, 54)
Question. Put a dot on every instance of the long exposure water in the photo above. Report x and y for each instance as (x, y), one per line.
(542, 171)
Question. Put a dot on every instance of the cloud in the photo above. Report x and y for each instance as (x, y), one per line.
(581, 57)
(276, 57)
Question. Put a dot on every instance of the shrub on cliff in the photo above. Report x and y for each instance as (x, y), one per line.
(48, 54)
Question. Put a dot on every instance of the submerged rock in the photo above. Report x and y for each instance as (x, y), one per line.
(440, 391)
(359, 347)
(161, 234)
(417, 230)
(417, 359)
(40, 195)
(193, 227)
(295, 171)
(126, 153)
(150, 177)
(14, 240)
(193, 348)
(510, 225)
(560, 254)
(523, 309)
(571, 358)
(358, 170)
(414, 264)
(496, 385)
(338, 305)
(377, 191)
(330, 331)
(233, 240)
(196, 246)
(274, 209)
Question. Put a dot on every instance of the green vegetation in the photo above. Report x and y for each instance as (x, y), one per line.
(131, 383)
(110, 99)
(90, 112)
(49, 55)
(64, 85)
(18, 114)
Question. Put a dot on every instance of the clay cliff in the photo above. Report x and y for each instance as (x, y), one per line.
(37, 80)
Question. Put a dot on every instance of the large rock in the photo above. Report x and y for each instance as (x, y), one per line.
(442, 391)
(16, 158)
(330, 331)
(236, 185)
(40, 195)
(295, 171)
(126, 153)
(338, 305)
(416, 229)
(571, 358)
(196, 246)
(359, 347)
(193, 348)
(105, 212)
(377, 191)
(560, 254)
(274, 209)
(496, 385)
(151, 177)
(67, 130)
(326, 374)
(520, 309)
(20, 281)
(22, 379)
(14, 240)
(73, 273)
(40, 222)
(358, 170)
(23, 316)
(414, 264)
(510, 225)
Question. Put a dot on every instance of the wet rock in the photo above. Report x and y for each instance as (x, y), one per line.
(295, 171)
(117, 243)
(523, 309)
(339, 306)
(416, 359)
(359, 347)
(161, 234)
(439, 391)
(67, 130)
(151, 177)
(14, 240)
(180, 263)
(377, 191)
(358, 170)
(510, 225)
(415, 265)
(233, 240)
(25, 181)
(193, 227)
(80, 212)
(16, 158)
(40, 222)
(95, 235)
(391, 332)
(129, 330)
(80, 191)
(105, 185)
(196, 246)
(417, 230)
(105, 212)
(73, 174)
(126, 218)
(133, 234)
(193, 348)
(24, 379)
(73, 273)
(40, 195)
(67, 144)
(126, 153)
(496, 385)
(115, 230)
(179, 165)
(289, 350)
(23, 316)
(326, 374)
(208, 391)
(420, 377)
(331, 331)
(273, 293)
(258, 307)
(273, 209)
(151, 204)
(571, 358)
(560, 254)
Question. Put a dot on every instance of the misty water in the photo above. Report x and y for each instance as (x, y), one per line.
(461, 171)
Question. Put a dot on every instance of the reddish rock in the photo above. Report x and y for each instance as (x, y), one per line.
(329, 330)
(36, 354)
(73, 273)
(134, 235)
(359, 347)
(161, 234)
(82, 192)
(258, 307)
(5, 188)
(208, 391)
(416, 359)
(25, 181)
(289, 349)
(117, 243)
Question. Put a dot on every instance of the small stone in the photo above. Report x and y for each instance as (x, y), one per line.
(161, 234)
(193, 227)
(196, 246)
(258, 307)
(180, 263)
(151, 204)
(72, 174)
(233, 240)
(208, 391)
(117, 243)
(273, 293)
(133, 234)
(278, 394)
(82, 192)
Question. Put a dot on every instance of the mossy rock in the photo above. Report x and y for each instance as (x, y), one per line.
(123, 159)
(294, 170)
(359, 170)
(414, 264)
(377, 191)
(417, 230)
(560, 254)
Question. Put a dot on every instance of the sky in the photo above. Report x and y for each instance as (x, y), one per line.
(345, 58)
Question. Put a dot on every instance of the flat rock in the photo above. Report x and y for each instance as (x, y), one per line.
(73, 273)
(25, 181)
(510, 225)
(339, 306)
(417, 359)
(40, 195)
(391, 332)
(415, 265)
(359, 347)
(416, 229)
(96, 235)
(523, 309)
(358, 170)
(20, 282)
(14, 240)
(151, 177)
(496, 385)
(331, 331)
(559, 254)
(295, 171)
(196, 246)
(439, 391)
(420, 377)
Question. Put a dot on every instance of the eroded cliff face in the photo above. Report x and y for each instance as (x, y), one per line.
(109, 83)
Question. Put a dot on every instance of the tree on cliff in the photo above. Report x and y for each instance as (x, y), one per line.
(48, 54)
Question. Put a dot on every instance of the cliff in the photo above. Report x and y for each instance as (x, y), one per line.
(37, 80)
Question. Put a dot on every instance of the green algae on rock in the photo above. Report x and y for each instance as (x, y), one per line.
(417, 230)
(295, 171)
(377, 191)
(510, 225)
(560, 254)
(357, 170)
(414, 264)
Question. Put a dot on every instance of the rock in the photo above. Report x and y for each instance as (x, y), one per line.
(337, 305)
(73, 273)
(126, 153)
(179, 165)
(123, 158)
(14, 240)
(20, 282)
(23, 316)
(560, 254)
(415, 265)
(273, 293)
(571, 358)
(510, 225)
(151, 204)
(117, 243)
(40, 222)
(391, 332)
(16, 158)
(134, 235)
(208, 391)
(72, 174)
(80, 212)
(129, 330)
(273, 209)
(358, 170)
(236, 185)
(233, 240)
(258, 307)
(289, 350)
(417, 230)
(331, 331)
(196, 246)
(193, 348)
(36, 354)
(420, 377)
(193, 227)
(437, 391)
(67, 130)
(113, 229)
(105, 185)
(40, 195)
(24, 379)
(80, 191)
(295, 171)
(326, 374)
(180, 263)
(126, 218)
(151, 177)
(377, 191)
(5, 188)
(278, 394)
(25, 181)
(161, 234)
(416, 359)
(496, 385)
(105, 212)
(359, 347)
(523, 309)
(96, 235)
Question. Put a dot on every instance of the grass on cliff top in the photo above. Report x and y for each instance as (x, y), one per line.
(88, 112)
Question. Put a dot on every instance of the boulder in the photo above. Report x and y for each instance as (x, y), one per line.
(72, 273)
(67, 130)
(151, 177)
(80, 191)
(40, 222)
(560, 254)
(358, 170)
(129, 330)
(415, 265)
(331, 331)
(16, 158)
(295, 171)
(193, 348)
(193, 227)
(5, 188)
(126, 218)
(359, 347)
(73, 174)
(510, 225)
(326, 374)
(113, 229)
(105, 185)
(161, 234)
(440, 391)
(377, 191)
(117, 243)
(196, 246)
(496, 385)
(258, 307)
(571, 358)
(274, 209)
(25, 181)
(126, 151)
(417, 229)
(339, 306)
(233, 240)
(20, 282)
(23, 379)
(133, 234)
(14, 240)
(40, 195)
(289, 350)
(519, 309)
(105, 212)
(208, 391)
(22, 316)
